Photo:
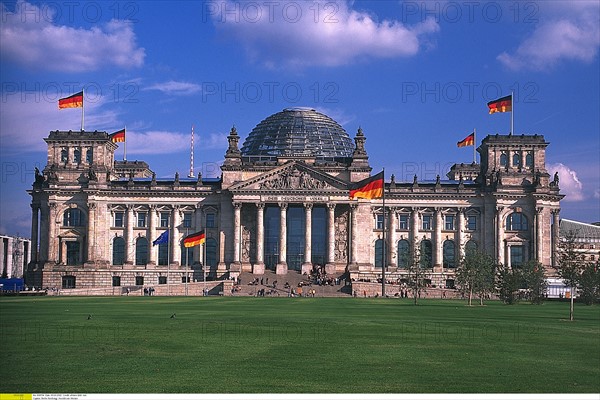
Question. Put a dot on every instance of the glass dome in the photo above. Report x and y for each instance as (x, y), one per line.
(298, 132)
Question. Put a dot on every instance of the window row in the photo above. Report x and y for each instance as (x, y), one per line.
(142, 252)
(77, 155)
(427, 222)
(142, 219)
(424, 256)
(516, 159)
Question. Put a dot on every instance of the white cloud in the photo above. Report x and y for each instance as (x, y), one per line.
(27, 118)
(40, 43)
(166, 142)
(175, 87)
(570, 33)
(569, 183)
(321, 33)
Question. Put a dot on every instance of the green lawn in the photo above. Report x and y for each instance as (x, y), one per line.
(294, 345)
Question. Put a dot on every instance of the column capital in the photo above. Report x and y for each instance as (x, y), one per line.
(331, 206)
(499, 209)
(308, 206)
(460, 210)
(237, 205)
(556, 211)
(539, 210)
(283, 206)
(52, 205)
(129, 207)
(35, 207)
(260, 205)
(152, 207)
(353, 206)
(91, 206)
(415, 209)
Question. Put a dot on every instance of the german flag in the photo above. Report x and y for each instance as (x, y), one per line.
(118, 136)
(503, 104)
(370, 188)
(468, 141)
(194, 239)
(73, 101)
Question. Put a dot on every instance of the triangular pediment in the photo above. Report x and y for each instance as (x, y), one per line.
(70, 234)
(292, 176)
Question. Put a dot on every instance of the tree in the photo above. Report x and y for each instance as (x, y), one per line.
(475, 275)
(589, 283)
(507, 284)
(534, 280)
(570, 265)
(417, 264)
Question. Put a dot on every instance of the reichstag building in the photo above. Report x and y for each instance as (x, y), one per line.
(282, 204)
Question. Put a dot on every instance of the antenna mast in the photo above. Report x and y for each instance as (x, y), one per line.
(191, 175)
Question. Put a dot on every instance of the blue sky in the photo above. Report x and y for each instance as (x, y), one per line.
(415, 75)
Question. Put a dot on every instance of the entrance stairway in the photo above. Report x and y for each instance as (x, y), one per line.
(293, 278)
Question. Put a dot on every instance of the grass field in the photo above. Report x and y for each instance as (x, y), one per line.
(249, 345)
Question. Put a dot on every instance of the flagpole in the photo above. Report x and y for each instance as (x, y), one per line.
(474, 145)
(82, 108)
(512, 113)
(186, 262)
(384, 247)
(204, 266)
(168, 261)
(125, 145)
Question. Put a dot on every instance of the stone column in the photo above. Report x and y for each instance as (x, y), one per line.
(34, 232)
(539, 230)
(44, 239)
(152, 250)
(499, 236)
(197, 228)
(437, 242)
(175, 245)
(307, 265)
(282, 264)
(91, 233)
(555, 236)
(331, 233)
(414, 232)
(237, 218)
(392, 256)
(259, 267)
(460, 221)
(52, 236)
(353, 234)
(129, 236)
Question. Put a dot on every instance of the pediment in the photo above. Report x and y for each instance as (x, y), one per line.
(293, 176)
(70, 234)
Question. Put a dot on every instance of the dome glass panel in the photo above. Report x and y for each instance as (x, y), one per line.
(300, 132)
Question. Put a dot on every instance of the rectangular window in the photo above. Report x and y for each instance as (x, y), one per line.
(139, 281)
(471, 222)
(116, 281)
(379, 222)
(427, 222)
(404, 222)
(187, 220)
(162, 280)
(119, 217)
(164, 219)
(141, 219)
(210, 220)
(185, 279)
(449, 225)
(517, 256)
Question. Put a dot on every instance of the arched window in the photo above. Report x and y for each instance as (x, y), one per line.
(470, 247)
(426, 254)
(89, 155)
(73, 217)
(77, 156)
(449, 254)
(64, 155)
(403, 253)
(141, 251)
(118, 250)
(379, 249)
(503, 160)
(516, 159)
(529, 160)
(516, 222)
(211, 252)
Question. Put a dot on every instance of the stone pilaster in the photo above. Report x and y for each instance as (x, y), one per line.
(237, 223)
(460, 225)
(34, 232)
(353, 235)
(152, 250)
(414, 232)
(499, 236)
(91, 233)
(176, 237)
(539, 232)
(259, 266)
(52, 236)
(393, 223)
(307, 264)
(555, 236)
(282, 264)
(330, 233)
(437, 241)
(129, 239)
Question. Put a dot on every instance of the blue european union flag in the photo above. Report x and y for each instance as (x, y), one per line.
(163, 238)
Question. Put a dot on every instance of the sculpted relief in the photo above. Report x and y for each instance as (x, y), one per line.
(293, 179)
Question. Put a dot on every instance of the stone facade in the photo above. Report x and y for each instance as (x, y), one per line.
(95, 218)
(14, 256)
